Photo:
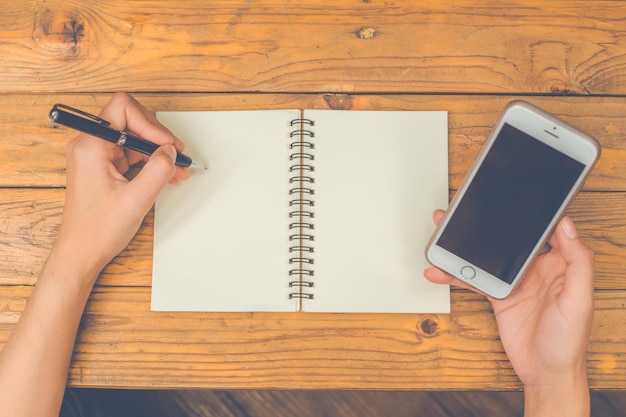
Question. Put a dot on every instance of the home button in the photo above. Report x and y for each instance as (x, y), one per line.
(468, 272)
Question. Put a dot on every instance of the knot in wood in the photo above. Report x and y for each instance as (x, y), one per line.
(59, 28)
(563, 90)
(429, 326)
(338, 101)
(366, 33)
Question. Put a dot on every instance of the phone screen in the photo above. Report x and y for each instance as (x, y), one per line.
(514, 195)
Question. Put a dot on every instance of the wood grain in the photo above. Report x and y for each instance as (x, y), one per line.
(123, 344)
(283, 403)
(288, 403)
(34, 157)
(315, 403)
(481, 46)
(29, 220)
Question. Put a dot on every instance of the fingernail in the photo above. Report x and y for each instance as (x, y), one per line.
(170, 151)
(569, 228)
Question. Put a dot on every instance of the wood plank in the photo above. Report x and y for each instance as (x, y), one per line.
(284, 403)
(30, 218)
(34, 155)
(480, 46)
(123, 344)
(288, 403)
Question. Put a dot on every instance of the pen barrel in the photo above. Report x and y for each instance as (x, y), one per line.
(90, 126)
(183, 160)
(148, 148)
(84, 125)
(135, 144)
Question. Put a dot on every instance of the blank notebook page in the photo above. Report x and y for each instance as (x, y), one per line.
(220, 237)
(378, 177)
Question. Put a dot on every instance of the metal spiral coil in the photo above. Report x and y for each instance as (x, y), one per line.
(301, 215)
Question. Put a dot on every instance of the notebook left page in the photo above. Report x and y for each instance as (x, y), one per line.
(220, 238)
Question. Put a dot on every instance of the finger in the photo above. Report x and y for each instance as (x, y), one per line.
(181, 174)
(157, 172)
(579, 260)
(437, 276)
(138, 160)
(137, 119)
(122, 164)
(438, 215)
(137, 114)
(552, 240)
(547, 247)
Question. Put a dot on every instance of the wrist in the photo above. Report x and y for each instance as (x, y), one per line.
(65, 267)
(567, 396)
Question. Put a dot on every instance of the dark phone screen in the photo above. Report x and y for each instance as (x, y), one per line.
(515, 193)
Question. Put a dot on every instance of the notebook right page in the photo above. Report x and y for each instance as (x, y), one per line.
(378, 177)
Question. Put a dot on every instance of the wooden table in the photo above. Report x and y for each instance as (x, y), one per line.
(467, 57)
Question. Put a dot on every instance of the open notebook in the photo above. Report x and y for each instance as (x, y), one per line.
(317, 211)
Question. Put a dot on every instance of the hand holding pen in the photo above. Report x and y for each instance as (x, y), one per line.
(101, 204)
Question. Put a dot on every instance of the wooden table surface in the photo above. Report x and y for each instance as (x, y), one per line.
(468, 57)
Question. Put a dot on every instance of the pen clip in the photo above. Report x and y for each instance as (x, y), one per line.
(80, 113)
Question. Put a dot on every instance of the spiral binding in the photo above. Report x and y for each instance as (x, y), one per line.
(301, 215)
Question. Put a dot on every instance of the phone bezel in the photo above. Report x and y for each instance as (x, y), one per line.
(547, 129)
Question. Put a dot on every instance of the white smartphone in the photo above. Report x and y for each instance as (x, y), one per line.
(529, 169)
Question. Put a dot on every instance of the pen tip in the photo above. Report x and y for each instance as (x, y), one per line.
(197, 165)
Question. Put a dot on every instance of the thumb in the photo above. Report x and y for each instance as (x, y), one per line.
(579, 261)
(157, 172)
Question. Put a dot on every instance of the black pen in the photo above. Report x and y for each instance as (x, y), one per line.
(100, 128)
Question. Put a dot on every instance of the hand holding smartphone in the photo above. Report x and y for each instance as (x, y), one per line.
(529, 170)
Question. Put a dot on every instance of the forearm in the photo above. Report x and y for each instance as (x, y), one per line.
(34, 363)
(569, 398)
